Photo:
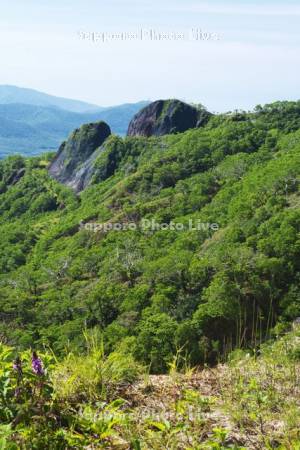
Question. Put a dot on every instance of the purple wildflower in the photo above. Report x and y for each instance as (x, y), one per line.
(17, 365)
(37, 365)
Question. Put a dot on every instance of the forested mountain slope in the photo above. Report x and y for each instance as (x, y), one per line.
(154, 291)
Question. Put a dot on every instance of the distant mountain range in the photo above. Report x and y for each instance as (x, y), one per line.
(32, 122)
(13, 94)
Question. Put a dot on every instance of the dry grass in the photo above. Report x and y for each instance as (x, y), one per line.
(251, 403)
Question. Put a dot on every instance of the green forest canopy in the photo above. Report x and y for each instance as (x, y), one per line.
(151, 293)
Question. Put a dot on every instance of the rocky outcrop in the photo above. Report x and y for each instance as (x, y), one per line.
(16, 176)
(87, 156)
(73, 163)
(167, 117)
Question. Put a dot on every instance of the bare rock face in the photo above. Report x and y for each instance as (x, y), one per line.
(16, 176)
(167, 117)
(73, 162)
(88, 155)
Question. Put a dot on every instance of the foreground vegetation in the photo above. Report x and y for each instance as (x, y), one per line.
(163, 300)
(95, 401)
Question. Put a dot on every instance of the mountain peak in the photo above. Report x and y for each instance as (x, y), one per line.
(167, 117)
(76, 151)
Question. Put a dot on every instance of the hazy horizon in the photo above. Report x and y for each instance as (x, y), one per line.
(141, 100)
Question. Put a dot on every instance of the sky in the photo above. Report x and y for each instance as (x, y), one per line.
(251, 56)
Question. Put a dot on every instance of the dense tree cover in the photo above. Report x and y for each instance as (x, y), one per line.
(153, 292)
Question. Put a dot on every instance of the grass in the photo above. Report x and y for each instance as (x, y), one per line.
(92, 376)
(95, 401)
